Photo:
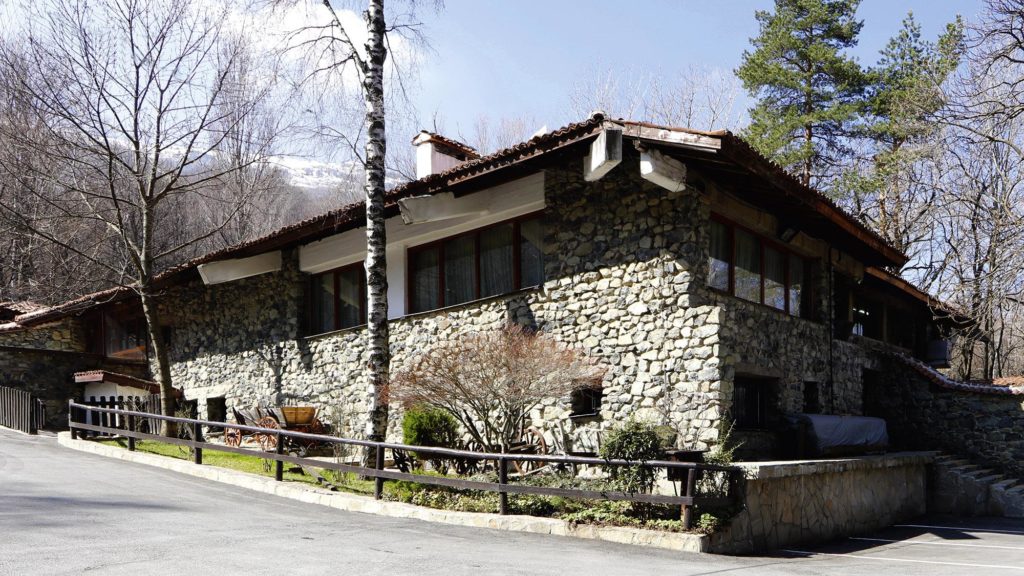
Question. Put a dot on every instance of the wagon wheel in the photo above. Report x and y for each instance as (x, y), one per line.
(232, 437)
(267, 441)
(534, 443)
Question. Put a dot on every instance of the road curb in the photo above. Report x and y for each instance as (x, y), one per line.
(353, 503)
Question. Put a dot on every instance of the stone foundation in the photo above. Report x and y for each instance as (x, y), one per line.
(812, 501)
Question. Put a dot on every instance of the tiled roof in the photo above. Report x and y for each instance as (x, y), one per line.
(1013, 386)
(353, 215)
(1009, 381)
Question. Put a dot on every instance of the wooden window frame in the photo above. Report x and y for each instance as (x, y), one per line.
(762, 242)
(476, 233)
(336, 273)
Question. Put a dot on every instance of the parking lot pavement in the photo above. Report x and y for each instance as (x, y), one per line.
(66, 512)
(933, 545)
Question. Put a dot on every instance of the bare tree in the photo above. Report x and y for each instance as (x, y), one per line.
(130, 97)
(491, 381)
(977, 257)
(698, 97)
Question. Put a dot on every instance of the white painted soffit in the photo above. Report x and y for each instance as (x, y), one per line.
(238, 268)
(443, 206)
(446, 217)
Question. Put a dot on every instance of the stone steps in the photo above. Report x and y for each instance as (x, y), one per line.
(963, 488)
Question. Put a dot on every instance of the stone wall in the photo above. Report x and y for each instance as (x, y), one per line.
(48, 374)
(625, 263)
(66, 334)
(982, 424)
(816, 501)
(43, 359)
(625, 274)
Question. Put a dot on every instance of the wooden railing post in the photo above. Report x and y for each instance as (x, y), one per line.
(197, 436)
(278, 464)
(691, 482)
(378, 485)
(131, 430)
(71, 419)
(503, 480)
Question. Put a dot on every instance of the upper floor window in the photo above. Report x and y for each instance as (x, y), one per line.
(487, 262)
(124, 336)
(755, 269)
(337, 299)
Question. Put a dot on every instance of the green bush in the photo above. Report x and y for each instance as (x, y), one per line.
(635, 441)
(424, 426)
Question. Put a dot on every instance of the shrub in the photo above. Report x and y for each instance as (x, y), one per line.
(491, 381)
(426, 426)
(636, 441)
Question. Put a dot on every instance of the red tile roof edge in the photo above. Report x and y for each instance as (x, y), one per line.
(933, 376)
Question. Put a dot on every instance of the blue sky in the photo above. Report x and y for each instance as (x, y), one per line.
(521, 58)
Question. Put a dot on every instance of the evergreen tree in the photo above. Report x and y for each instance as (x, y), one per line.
(891, 188)
(808, 91)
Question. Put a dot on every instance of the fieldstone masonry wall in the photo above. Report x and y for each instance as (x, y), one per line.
(42, 360)
(816, 501)
(625, 268)
(987, 427)
(625, 263)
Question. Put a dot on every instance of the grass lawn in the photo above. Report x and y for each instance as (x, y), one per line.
(244, 463)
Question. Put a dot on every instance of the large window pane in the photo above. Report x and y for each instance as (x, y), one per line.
(322, 314)
(748, 267)
(425, 271)
(796, 285)
(719, 258)
(531, 253)
(350, 295)
(459, 270)
(496, 264)
(774, 278)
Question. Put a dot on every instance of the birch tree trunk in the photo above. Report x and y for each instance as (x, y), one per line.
(376, 239)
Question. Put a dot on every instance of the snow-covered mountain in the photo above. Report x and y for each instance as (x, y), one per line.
(319, 176)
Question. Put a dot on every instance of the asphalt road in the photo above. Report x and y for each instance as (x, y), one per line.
(65, 512)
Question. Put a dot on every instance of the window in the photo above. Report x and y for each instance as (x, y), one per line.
(124, 336)
(751, 399)
(812, 401)
(488, 262)
(758, 270)
(337, 299)
(216, 409)
(867, 317)
(586, 401)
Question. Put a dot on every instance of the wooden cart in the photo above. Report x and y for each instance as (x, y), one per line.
(292, 418)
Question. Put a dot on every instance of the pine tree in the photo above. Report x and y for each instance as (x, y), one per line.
(901, 132)
(808, 91)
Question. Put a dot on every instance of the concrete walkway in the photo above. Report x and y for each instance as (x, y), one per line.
(65, 512)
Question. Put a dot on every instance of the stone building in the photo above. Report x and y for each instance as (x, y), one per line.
(713, 286)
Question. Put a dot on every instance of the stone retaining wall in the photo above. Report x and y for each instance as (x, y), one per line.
(819, 500)
(985, 425)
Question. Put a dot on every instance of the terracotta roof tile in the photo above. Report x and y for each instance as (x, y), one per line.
(943, 381)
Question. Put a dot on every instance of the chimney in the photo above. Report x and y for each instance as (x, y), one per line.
(435, 153)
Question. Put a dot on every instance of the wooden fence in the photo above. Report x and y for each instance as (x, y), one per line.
(145, 403)
(21, 410)
(690, 473)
